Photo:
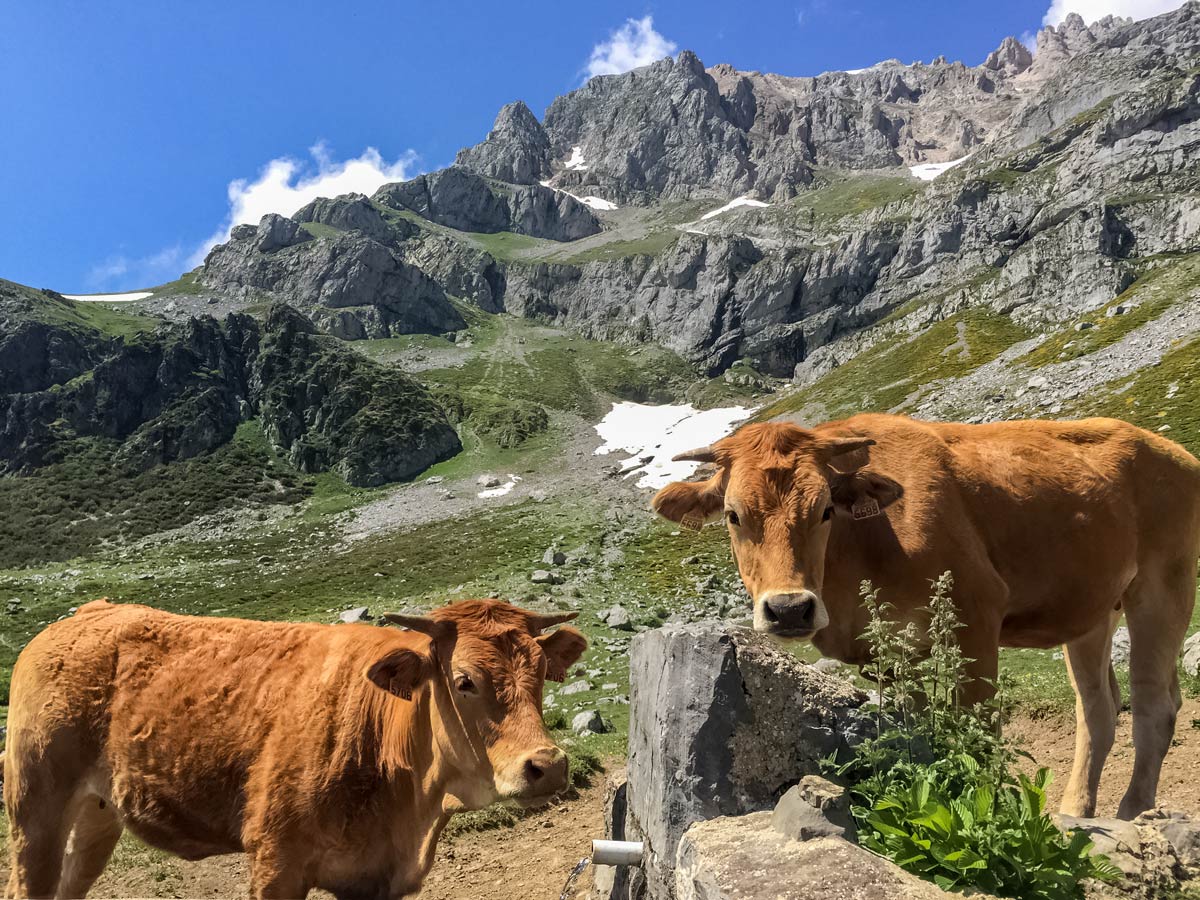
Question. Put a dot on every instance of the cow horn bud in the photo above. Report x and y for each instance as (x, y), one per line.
(423, 624)
(700, 454)
(542, 621)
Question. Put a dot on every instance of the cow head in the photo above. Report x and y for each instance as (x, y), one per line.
(487, 664)
(778, 488)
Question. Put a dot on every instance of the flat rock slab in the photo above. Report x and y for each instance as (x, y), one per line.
(743, 857)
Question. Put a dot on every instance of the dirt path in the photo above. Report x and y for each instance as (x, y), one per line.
(1051, 742)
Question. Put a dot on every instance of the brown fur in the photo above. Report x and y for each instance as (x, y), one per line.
(1052, 530)
(291, 742)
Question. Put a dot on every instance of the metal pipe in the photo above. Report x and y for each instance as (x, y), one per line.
(617, 853)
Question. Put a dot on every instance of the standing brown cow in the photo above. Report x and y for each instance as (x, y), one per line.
(1052, 531)
(332, 755)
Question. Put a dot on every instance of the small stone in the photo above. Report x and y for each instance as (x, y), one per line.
(1084, 326)
(434, 479)
(1191, 655)
(488, 481)
(590, 722)
(553, 557)
(690, 560)
(827, 665)
(616, 617)
(1037, 382)
(576, 687)
(1120, 647)
(541, 576)
(356, 614)
(803, 812)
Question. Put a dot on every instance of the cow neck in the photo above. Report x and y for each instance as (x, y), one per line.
(413, 770)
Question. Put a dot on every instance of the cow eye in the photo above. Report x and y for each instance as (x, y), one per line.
(464, 684)
(828, 514)
(732, 517)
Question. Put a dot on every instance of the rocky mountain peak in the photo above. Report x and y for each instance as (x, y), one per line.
(1011, 57)
(517, 149)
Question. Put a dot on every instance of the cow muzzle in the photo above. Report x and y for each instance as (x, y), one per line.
(790, 614)
(543, 773)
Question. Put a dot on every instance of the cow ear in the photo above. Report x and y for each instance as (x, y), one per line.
(693, 504)
(863, 494)
(563, 649)
(400, 672)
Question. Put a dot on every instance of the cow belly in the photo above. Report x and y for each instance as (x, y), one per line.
(181, 818)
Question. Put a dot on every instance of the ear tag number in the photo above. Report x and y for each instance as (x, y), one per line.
(692, 523)
(406, 695)
(559, 678)
(866, 508)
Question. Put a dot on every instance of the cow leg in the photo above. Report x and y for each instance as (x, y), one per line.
(980, 644)
(1158, 611)
(95, 833)
(37, 840)
(1090, 669)
(274, 878)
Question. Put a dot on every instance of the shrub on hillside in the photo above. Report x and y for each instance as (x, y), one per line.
(936, 790)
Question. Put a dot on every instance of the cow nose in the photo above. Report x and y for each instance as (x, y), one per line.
(546, 770)
(790, 612)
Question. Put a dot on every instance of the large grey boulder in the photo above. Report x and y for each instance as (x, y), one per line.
(744, 858)
(722, 722)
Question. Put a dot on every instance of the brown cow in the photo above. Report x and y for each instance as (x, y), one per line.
(1052, 531)
(332, 756)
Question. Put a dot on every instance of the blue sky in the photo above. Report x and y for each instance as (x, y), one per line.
(124, 124)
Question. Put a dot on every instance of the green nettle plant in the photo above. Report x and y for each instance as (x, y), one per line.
(936, 788)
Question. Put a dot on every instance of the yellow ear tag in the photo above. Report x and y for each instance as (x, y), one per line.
(866, 508)
(406, 695)
(692, 523)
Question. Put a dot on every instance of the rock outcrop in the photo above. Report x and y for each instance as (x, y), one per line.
(721, 723)
(517, 149)
(744, 858)
(349, 284)
(182, 391)
(355, 212)
(326, 407)
(460, 199)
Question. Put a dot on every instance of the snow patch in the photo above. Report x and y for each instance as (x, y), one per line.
(502, 490)
(576, 160)
(661, 432)
(594, 202)
(597, 203)
(110, 298)
(930, 171)
(734, 204)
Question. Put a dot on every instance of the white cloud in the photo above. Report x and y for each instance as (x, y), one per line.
(634, 44)
(122, 271)
(285, 184)
(1092, 10)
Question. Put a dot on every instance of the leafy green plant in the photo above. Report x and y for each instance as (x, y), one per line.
(935, 789)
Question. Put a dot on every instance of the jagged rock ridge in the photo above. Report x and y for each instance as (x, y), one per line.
(1080, 162)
